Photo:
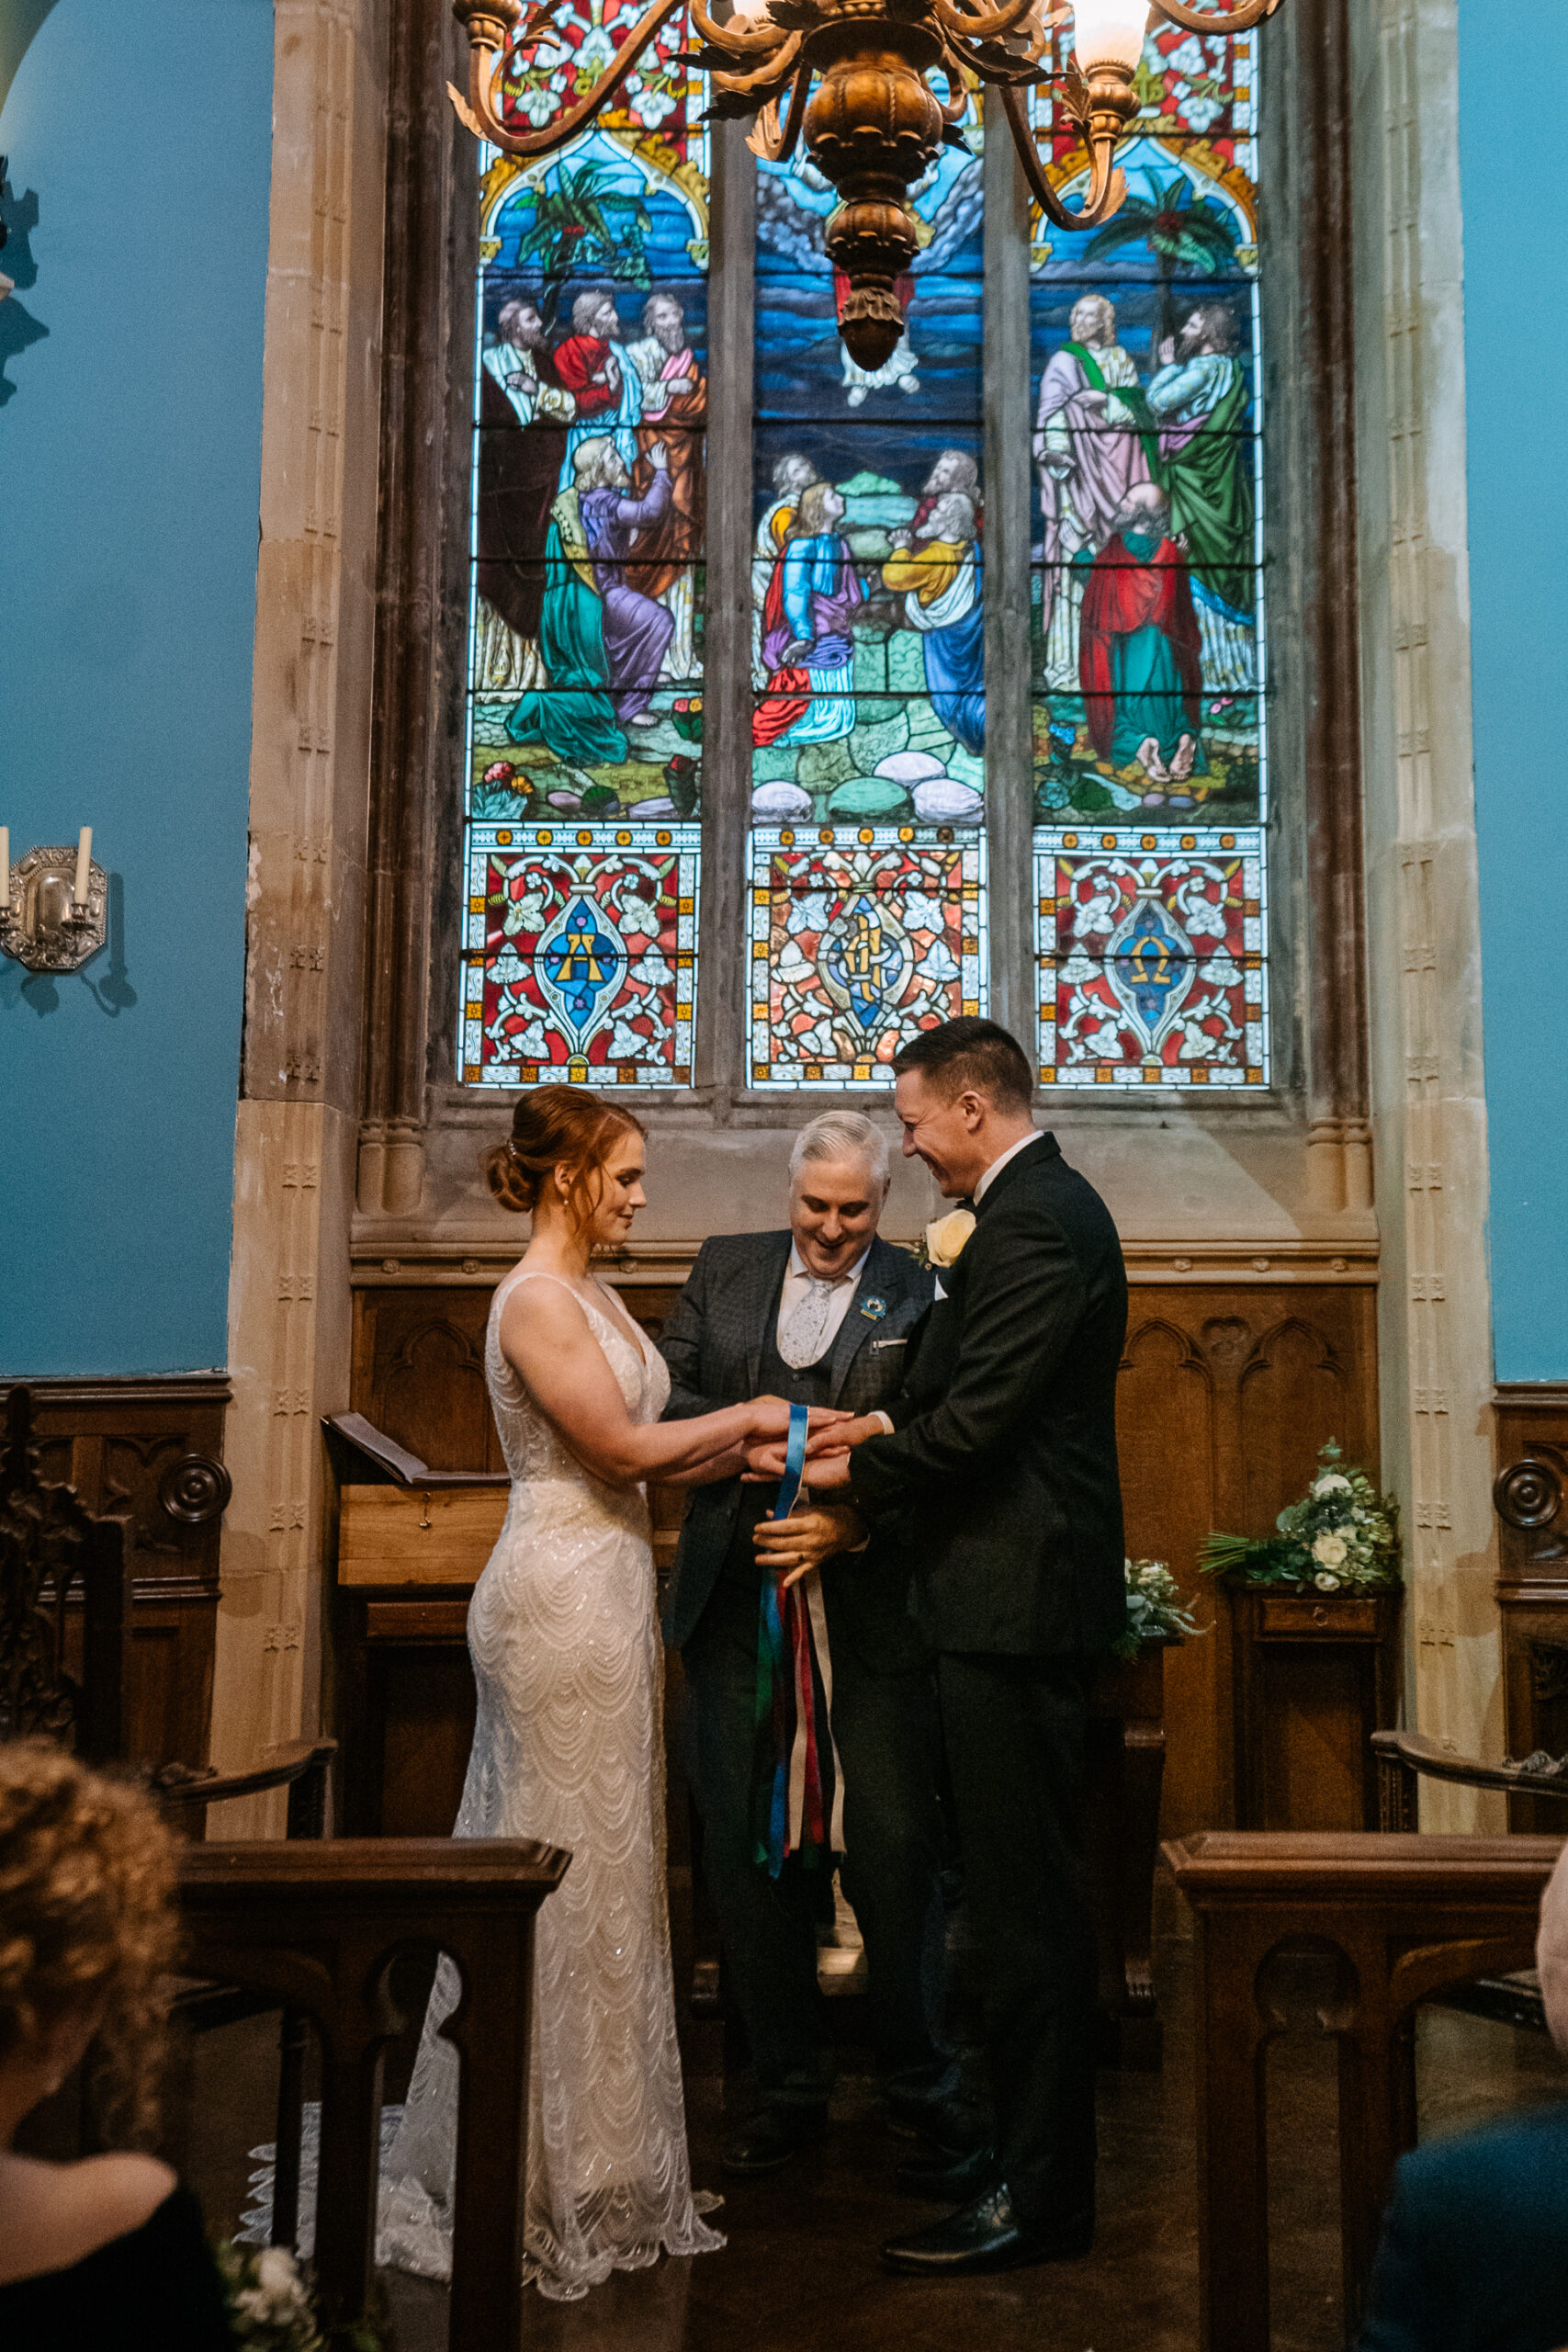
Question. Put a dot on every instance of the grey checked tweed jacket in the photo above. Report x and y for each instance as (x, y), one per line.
(712, 1344)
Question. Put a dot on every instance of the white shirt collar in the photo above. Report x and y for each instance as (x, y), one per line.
(797, 1266)
(994, 1169)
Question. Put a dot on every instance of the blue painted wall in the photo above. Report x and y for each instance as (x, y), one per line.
(1516, 339)
(130, 394)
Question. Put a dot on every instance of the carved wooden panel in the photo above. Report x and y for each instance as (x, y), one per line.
(1529, 1494)
(151, 1451)
(1227, 1393)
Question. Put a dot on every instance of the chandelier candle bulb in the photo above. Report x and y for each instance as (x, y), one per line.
(1110, 32)
(83, 867)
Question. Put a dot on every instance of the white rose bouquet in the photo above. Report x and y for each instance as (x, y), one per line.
(1156, 1609)
(1343, 1536)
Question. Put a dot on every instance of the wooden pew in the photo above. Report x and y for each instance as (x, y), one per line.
(317, 1927)
(1409, 1916)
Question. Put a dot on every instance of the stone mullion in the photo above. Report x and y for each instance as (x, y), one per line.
(1009, 775)
(723, 968)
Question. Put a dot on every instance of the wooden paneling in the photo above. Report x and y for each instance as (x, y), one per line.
(1228, 1391)
(400, 1535)
(149, 1452)
(1314, 1680)
(1532, 1580)
(1229, 1388)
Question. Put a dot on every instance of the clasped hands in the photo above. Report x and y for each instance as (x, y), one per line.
(792, 1547)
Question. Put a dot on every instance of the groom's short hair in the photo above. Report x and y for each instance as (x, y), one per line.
(970, 1055)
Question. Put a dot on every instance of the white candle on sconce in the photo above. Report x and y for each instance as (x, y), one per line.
(5, 869)
(83, 865)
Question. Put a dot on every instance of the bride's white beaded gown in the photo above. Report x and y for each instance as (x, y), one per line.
(568, 1748)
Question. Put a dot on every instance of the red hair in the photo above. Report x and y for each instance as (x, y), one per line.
(557, 1127)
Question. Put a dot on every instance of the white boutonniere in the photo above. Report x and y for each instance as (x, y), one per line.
(946, 1237)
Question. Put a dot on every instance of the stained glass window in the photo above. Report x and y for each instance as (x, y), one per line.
(1152, 966)
(579, 960)
(860, 935)
(585, 649)
(1150, 667)
(868, 641)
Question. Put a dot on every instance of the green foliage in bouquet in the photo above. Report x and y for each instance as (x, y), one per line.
(1343, 1536)
(1156, 1609)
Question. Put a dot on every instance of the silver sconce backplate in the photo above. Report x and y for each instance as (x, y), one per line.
(41, 927)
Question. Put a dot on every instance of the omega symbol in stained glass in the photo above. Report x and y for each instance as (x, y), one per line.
(1152, 968)
(581, 956)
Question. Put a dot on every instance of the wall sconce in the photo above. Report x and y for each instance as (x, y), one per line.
(52, 908)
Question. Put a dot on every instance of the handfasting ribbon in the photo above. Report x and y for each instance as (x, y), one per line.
(792, 1668)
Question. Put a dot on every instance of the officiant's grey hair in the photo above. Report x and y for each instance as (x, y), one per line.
(841, 1134)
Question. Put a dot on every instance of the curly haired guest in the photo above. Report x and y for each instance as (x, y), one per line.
(111, 2250)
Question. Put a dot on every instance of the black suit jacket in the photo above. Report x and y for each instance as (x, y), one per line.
(712, 1344)
(1004, 1451)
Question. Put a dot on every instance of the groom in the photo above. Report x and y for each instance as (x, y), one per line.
(820, 1313)
(1001, 1449)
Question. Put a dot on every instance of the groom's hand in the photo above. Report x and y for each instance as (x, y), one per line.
(770, 1420)
(792, 1547)
(848, 1430)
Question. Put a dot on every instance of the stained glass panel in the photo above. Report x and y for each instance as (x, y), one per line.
(1152, 966)
(859, 936)
(585, 660)
(579, 954)
(868, 636)
(1150, 670)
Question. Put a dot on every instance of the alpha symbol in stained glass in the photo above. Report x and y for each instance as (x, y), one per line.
(864, 960)
(580, 963)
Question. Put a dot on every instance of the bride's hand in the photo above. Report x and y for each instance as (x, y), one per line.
(768, 1418)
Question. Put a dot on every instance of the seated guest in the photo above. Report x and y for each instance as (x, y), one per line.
(822, 1312)
(110, 2251)
(1474, 2249)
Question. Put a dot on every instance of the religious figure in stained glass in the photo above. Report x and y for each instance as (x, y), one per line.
(1140, 659)
(808, 652)
(936, 569)
(1199, 394)
(1089, 454)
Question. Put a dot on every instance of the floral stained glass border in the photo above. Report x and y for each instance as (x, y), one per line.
(1151, 958)
(860, 936)
(579, 960)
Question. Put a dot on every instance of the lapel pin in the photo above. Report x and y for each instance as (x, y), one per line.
(874, 1309)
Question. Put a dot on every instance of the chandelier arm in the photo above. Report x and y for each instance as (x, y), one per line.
(485, 68)
(989, 26)
(776, 70)
(735, 44)
(775, 144)
(1107, 184)
(1239, 19)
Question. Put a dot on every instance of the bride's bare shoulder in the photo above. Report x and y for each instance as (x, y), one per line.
(544, 1304)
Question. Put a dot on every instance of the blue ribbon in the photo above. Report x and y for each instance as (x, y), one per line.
(794, 1463)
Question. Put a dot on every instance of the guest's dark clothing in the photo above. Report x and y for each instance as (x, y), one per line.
(1004, 1460)
(155, 2290)
(721, 1346)
(1474, 2249)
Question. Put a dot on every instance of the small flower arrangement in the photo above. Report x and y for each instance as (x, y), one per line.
(1156, 1609)
(942, 1244)
(1343, 1536)
(271, 2308)
(269, 2304)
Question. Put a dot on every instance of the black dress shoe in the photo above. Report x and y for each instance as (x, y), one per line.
(772, 2136)
(947, 2177)
(987, 2234)
(953, 2127)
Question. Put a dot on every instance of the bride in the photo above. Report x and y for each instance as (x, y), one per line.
(567, 1742)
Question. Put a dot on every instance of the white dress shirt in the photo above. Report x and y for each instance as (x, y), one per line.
(797, 1283)
(1001, 1161)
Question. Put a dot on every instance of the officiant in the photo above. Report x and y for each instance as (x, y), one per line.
(821, 1312)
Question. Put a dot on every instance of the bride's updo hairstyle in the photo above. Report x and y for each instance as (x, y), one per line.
(557, 1127)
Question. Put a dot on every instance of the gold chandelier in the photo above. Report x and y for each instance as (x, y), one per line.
(852, 78)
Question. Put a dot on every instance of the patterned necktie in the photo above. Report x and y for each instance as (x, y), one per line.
(805, 1329)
